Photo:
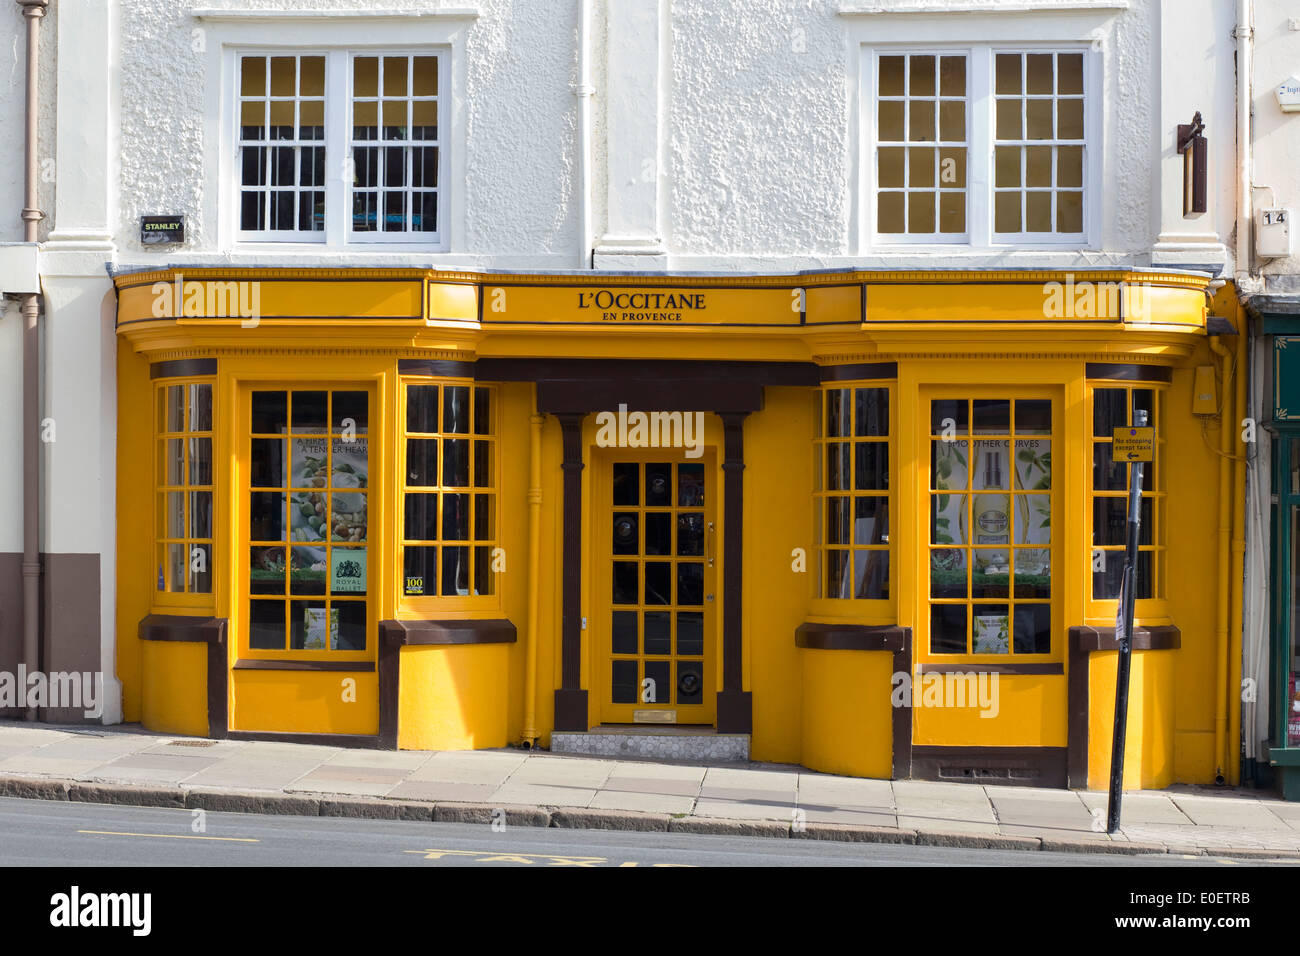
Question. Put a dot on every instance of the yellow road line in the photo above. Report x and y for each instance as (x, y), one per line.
(171, 836)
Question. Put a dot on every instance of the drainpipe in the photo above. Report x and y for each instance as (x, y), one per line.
(584, 91)
(1245, 36)
(1237, 581)
(1221, 666)
(33, 11)
(530, 734)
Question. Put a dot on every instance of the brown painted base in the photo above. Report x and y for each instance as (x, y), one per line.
(735, 712)
(1014, 766)
(571, 710)
(353, 741)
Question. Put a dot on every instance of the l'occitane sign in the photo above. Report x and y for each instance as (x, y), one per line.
(666, 305)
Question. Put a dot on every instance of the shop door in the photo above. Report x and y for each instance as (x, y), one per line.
(993, 530)
(655, 610)
(307, 630)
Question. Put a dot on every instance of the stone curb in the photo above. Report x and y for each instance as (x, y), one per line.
(484, 813)
(1120, 847)
(373, 809)
(584, 819)
(726, 827)
(1253, 853)
(383, 808)
(976, 841)
(127, 795)
(34, 788)
(235, 802)
(852, 833)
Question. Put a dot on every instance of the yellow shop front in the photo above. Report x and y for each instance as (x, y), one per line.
(865, 522)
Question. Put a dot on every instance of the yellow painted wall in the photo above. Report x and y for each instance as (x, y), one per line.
(134, 572)
(174, 688)
(778, 519)
(1027, 711)
(1193, 478)
(305, 702)
(1149, 756)
(847, 712)
(454, 697)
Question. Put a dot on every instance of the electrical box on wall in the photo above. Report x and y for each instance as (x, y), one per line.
(1288, 94)
(1273, 234)
(1205, 393)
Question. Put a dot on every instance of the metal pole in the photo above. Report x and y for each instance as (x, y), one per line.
(1124, 633)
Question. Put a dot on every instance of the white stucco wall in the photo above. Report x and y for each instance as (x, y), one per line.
(758, 137)
(1277, 135)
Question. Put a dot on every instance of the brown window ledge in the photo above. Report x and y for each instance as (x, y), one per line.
(426, 632)
(261, 664)
(853, 637)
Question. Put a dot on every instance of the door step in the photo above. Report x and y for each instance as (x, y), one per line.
(665, 743)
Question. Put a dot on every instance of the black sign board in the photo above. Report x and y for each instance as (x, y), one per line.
(155, 230)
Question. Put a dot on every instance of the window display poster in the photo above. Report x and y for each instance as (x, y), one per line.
(320, 628)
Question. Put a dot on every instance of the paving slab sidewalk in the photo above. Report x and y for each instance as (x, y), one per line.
(127, 765)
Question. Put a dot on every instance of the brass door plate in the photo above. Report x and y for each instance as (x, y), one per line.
(654, 716)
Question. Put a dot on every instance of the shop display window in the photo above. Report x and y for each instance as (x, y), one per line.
(449, 491)
(1113, 407)
(183, 480)
(852, 455)
(990, 516)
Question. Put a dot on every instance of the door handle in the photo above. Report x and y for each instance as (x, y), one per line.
(709, 545)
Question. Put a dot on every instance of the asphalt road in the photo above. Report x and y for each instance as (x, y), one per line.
(50, 833)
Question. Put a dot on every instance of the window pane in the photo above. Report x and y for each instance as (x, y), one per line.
(1069, 212)
(921, 76)
(422, 408)
(891, 76)
(252, 76)
(1039, 73)
(920, 167)
(1038, 119)
(948, 629)
(889, 169)
(1006, 212)
(952, 121)
(365, 76)
(890, 213)
(1008, 119)
(425, 78)
(1069, 119)
(952, 76)
(920, 213)
(422, 461)
(871, 414)
(1008, 73)
(1070, 67)
(952, 212)
(889, 121)
(1006, 160)
(921, 121)
(312, 76)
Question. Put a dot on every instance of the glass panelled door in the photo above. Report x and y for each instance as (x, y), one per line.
(308, 501)
(657, 540)
(991, 541)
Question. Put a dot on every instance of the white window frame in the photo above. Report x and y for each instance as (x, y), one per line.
(933, 238)
(225, 33)
(338, 152)
(980, 139)
(277, 235)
